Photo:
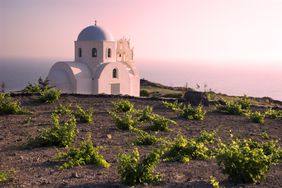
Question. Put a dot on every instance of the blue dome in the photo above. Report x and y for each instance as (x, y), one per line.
(94, 33)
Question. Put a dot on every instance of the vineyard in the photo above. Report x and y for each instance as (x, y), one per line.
(53, 140)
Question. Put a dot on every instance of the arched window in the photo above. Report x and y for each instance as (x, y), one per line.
(94, 52)
(115, 73)
(109, 52)
(79, 52)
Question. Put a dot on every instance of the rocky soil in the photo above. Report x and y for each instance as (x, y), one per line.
(36, 167)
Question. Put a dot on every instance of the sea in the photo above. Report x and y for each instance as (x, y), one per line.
(258, 80)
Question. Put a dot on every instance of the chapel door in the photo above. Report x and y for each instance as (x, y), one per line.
(115, 89)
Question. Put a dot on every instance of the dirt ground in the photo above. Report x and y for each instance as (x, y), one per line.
(36, 167)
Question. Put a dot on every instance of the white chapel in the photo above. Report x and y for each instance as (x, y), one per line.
(101, 66)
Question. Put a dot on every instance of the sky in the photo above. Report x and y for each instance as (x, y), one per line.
(234, 31)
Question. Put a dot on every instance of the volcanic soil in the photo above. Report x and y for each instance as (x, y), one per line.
(36, 167)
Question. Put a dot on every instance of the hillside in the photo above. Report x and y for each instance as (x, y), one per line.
(159, 90)
(36, 167)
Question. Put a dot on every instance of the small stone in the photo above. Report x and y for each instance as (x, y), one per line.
(51, 171)
(21, 157)
(64, 182)
(179, 177)
(24, 185)
(109, 136)
(36, 159)
(19, 139)
(1, 137)
(44, 181)
(74, 175)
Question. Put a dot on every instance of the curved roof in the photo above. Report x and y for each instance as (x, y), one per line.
(99, 71)
(94, 33)
(77, 70)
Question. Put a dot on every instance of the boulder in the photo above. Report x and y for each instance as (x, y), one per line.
(196, 97)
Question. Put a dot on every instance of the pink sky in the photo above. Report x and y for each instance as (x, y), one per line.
(172, 30)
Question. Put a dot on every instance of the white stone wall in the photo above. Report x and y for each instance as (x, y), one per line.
(112, 46)
(86, 46)
(135, 86)
(60, 75)
(84, 86)
(101, 46)
(61, 80)
(104, 79)
(71, 77)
